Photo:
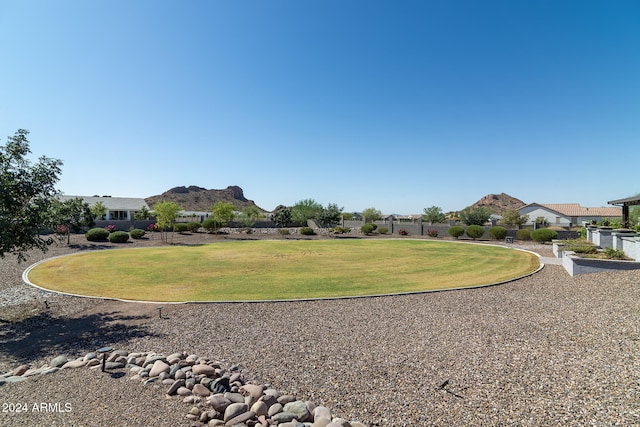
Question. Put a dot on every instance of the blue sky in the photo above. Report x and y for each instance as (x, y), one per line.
(397, 105)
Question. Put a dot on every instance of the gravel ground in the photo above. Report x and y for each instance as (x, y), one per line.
(548, 349)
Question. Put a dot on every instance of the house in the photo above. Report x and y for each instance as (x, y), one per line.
(568, 214)
(118, 208)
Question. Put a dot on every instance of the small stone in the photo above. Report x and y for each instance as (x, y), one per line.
(234, 410)
(321, 412)
(287, 398)
(218, 402)
(57, 362)
(234, 397)
(74, 364)
(159, 366)
(283, 417)
(200, 390)
(251, 390)
(175, 386)
(113, 365)
(299, 408)
(260, 408)
(93, 362)
(341, 422)
(183, 391)
(203, 370)
(90, 356)
(274, 409)
(240, 419)
(221, 385)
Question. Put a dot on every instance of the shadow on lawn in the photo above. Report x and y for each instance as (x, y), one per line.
(31, 338)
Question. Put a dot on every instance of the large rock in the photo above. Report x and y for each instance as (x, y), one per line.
(57, 362)
(219, 402)
(158, 367)
(240, 419)
(200, 390)
(234, 410)
(207, 370)
(300, 409)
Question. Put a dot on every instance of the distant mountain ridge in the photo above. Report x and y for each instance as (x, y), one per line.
(194, 198)
(499, 203)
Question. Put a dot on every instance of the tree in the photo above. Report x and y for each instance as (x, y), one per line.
(304, 210)
(222, 213)
(513, 218)
(142, 214)
(99, 210)
(72, 215)
(330, 216)
(26, 194)
(249, 216)
(281, 216)
(434, 215)
(371, 214)
(166, 213)
(475, 216)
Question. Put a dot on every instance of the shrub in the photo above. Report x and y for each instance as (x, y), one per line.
(456, 231)
(475, 231)
(180, 227)
(543, 235)
(614, 253)
(432, 232)
(119, 237)
(368, 228)
(383, 230)
(136, 233)
(284, 231)
(193, 226)
(307, 231)
(210, 225)
(497, 232)
(403, 232)
(341, 230)
(524, 234)
(582, 249)
(96, 235)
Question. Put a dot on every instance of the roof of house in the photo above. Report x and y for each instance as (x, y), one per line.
(113, 203)
(574, 209)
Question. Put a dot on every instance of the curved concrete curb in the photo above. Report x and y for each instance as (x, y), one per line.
(25, 279)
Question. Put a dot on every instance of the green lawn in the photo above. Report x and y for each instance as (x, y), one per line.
(281, 269)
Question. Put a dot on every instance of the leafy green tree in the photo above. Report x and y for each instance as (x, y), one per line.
(434, 215)
(281, 216)
(73, 215)
(347, 216)
(513, 218)
(222, 213)
(371, 214)
(475, 216)
(249, 216)
(99, 210)
(166, 214)
(305, 210)
(330, 216)
(26, 194)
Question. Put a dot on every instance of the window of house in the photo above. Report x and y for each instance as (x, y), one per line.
(118, 215)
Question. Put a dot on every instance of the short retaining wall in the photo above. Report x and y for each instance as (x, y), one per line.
(576, 265)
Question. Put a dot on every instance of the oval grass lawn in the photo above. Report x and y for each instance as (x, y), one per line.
(280, 269)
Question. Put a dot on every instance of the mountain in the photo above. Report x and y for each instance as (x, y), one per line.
(200, 199)
(499, 203)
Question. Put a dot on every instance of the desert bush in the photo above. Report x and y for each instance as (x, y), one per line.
(210, 225)
(383, 230)
(475, 231)
(543, 235)
(193, 226)
(497, 232)
(284, 231)
(96, 235)
(524, 234)
(119, 237)
(136, 233)
(456, 231)
(368, 228)
(432, 232)
(341, 230)
(307, 231)
(614, 253)
(180, 227)
(582, 249)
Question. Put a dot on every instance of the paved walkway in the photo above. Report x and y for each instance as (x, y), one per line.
(550, 260)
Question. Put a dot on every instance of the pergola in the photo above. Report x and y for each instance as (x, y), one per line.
(625, 203)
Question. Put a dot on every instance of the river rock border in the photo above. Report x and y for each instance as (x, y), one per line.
(218, 395)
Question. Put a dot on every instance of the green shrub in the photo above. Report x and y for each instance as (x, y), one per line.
(475, 231)
(119, 237)
(614, 253)
(341, 230)
(97, 235)
(497, 232)
(582, 249)
(543, 235)
(307, 231)
(136, 233)
(524, 234)
(180, 227)
(383, 230)
(284, 231)
(210, 225)
(456, 231)
(193, 226)
(368, 228)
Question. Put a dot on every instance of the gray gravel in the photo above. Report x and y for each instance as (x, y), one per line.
(548, 349)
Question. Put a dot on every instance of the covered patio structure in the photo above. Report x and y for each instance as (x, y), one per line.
(625, 203)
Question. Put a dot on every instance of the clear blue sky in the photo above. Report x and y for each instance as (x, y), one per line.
(396, 105)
